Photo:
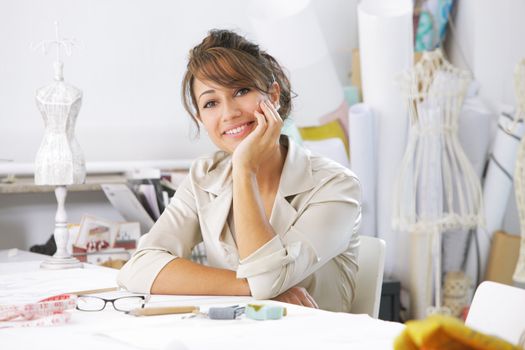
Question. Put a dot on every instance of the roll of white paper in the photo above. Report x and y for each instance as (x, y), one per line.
(386, 49)
(474, 132)
(496, 189)
(363, 162)
(290, 32)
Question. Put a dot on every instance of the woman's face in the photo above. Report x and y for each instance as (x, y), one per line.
(227, 114)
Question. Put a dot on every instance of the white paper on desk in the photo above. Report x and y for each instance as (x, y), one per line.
(123, 199)
(23, 285)
(338, 331)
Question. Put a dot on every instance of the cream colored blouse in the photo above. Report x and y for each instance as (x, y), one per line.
(316, 215)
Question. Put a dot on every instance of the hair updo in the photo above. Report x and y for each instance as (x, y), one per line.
(229, 60)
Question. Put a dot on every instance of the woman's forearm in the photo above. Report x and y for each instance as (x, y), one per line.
(252, 227)
(184, 277)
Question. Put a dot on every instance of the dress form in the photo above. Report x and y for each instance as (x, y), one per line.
(437, 188)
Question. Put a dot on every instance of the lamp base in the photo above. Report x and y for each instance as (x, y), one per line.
(55, 263)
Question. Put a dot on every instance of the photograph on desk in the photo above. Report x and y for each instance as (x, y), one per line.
(103, 242)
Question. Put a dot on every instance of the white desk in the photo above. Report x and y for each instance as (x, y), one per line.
(303, 328)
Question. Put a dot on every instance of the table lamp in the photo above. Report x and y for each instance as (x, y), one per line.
(290, 31)
(59, 161)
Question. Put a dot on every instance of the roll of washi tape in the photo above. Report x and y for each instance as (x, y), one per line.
(265, 312)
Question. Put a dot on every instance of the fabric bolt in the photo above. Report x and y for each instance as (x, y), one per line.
(316, 215)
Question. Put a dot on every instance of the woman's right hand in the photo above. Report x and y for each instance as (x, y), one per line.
(263, 141)
(297, 296)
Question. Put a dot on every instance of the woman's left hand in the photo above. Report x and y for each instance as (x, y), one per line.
(297, 296)
(262, 142)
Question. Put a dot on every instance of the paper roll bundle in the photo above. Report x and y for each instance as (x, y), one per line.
(386, 49)
(363, 162)
(496, 189)
(290, 32)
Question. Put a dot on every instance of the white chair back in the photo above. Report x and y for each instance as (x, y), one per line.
(369, 280)
(499, 310)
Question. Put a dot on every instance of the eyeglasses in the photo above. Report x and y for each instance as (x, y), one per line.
(127, 303)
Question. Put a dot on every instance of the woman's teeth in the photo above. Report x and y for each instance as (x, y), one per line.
(236, 130)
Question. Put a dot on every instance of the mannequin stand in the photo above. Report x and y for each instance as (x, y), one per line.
(61, 259)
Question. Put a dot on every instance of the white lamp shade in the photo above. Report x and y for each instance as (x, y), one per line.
(290, 32)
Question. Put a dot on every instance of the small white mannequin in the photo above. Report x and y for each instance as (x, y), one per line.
(59, 161)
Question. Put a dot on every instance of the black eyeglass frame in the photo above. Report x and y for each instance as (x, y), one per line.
(112, 301)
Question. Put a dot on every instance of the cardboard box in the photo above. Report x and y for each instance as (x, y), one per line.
(503, 257)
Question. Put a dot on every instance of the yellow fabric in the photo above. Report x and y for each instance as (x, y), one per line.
(326, 131)
(445, 332)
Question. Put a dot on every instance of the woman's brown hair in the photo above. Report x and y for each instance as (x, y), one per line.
(228, 59)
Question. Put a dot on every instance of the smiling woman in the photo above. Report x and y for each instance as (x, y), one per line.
(276, 221)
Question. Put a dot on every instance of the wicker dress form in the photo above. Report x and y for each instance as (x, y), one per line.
(519, 172)
(59, 160)
(437, 188)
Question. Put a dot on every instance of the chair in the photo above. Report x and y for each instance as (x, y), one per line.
(499, 310)
(369, 280)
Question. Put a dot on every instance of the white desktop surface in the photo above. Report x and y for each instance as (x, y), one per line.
(302, 328)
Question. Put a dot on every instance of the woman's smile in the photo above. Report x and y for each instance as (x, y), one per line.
(239, 131)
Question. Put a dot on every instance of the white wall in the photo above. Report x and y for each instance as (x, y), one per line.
(489, 42)
(491, 35)
(129, 67)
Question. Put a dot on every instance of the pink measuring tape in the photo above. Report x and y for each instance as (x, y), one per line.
(46, 312)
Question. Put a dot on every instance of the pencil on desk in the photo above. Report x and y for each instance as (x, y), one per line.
(152, 311)
(93, 291)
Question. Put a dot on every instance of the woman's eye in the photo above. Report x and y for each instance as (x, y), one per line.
(242, 92)
(209, 104)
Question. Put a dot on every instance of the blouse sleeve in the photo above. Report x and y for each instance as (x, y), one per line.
(323, 230)
(174, 235)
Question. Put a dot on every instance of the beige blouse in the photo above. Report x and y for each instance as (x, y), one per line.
(315, 216)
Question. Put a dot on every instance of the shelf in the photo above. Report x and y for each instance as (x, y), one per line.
(93, 182)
